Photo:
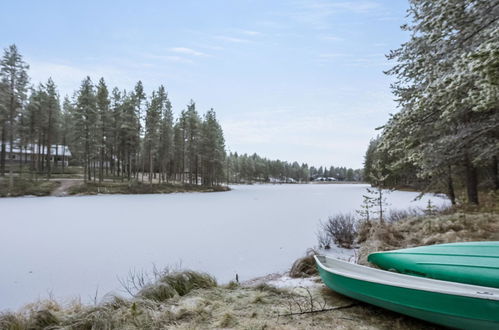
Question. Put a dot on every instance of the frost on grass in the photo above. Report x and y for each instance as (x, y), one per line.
(204, 306)
(437, 229)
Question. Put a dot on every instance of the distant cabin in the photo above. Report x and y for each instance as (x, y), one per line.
(325, 179)
(59, 154)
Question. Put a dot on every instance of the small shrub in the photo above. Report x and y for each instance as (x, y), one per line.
(398, 215)
(323, 239)
(341, 229)
(363, 230)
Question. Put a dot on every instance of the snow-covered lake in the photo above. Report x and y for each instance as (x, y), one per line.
(74, 246)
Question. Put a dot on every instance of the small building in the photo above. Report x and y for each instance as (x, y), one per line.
(59, 154)
(325, 179)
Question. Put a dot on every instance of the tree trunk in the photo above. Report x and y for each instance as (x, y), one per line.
(56, 159)
(196, 173)
(495, 174)
(63, 163)
(101, 162)
(11, 139)
(87, 159)
(450, 186)
(49, 144)
(38, 153)
(3, 152)
(150, 165)
(471, 182)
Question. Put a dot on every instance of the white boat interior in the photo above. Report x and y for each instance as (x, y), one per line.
(374, 275)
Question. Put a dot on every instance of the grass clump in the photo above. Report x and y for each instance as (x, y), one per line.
(305, 266)
(11, 321)
(137, 187)
(232, 285)
(244, 307)
(428, 230)
(24, 186)
(177, 283)
(264, 287)
(227, 321)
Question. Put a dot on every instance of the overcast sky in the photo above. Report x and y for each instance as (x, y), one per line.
(292, 80)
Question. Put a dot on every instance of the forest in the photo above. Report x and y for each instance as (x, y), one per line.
(446, 82)
(120, 135)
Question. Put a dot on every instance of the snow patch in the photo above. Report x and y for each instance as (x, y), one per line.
(287, 282)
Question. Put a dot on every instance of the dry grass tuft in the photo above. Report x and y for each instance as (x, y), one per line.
(264, 287)
(304, 267)
(228, 321)
(177, 283)
(438, 229)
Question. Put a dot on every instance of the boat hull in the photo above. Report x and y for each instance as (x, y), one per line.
(453, 311)
(471, 262)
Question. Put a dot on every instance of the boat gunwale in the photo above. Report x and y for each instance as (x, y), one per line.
(402, 252)
(480, 292)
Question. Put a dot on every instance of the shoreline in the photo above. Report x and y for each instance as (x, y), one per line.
(274, 301)
(63, 187)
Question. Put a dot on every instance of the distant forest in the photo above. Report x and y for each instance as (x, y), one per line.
(123, 135)
(446, 135)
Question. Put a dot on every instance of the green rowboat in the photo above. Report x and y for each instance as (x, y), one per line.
(471, 262)
(454, 305)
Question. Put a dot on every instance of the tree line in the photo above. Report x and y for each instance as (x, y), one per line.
(123, 135)
(253, 168)
(445, 135)
(118, 133)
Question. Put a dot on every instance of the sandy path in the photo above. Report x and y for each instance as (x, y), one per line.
(63, 189)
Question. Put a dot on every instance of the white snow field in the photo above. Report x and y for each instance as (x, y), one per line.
(68, 247)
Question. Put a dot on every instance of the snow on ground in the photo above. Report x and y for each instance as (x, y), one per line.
(283, 280)
(287, 282)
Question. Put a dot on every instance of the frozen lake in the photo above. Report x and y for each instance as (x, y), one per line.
(72, 246)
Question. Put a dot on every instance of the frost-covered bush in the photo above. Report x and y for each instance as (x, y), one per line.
(341, 229)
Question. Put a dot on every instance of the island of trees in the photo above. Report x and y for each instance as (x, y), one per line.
(121, 136)
(445, 136)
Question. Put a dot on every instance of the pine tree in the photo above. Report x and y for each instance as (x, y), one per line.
(52, 110)
(166, 135)
(66, 127)
(192, 123)
(86, 117)
(212, 150)
(152, 124)
(448, 117)
(14, 77)
(129, 134)
(179, 142)
(103, 119)
(115, 145)
(138, 97)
